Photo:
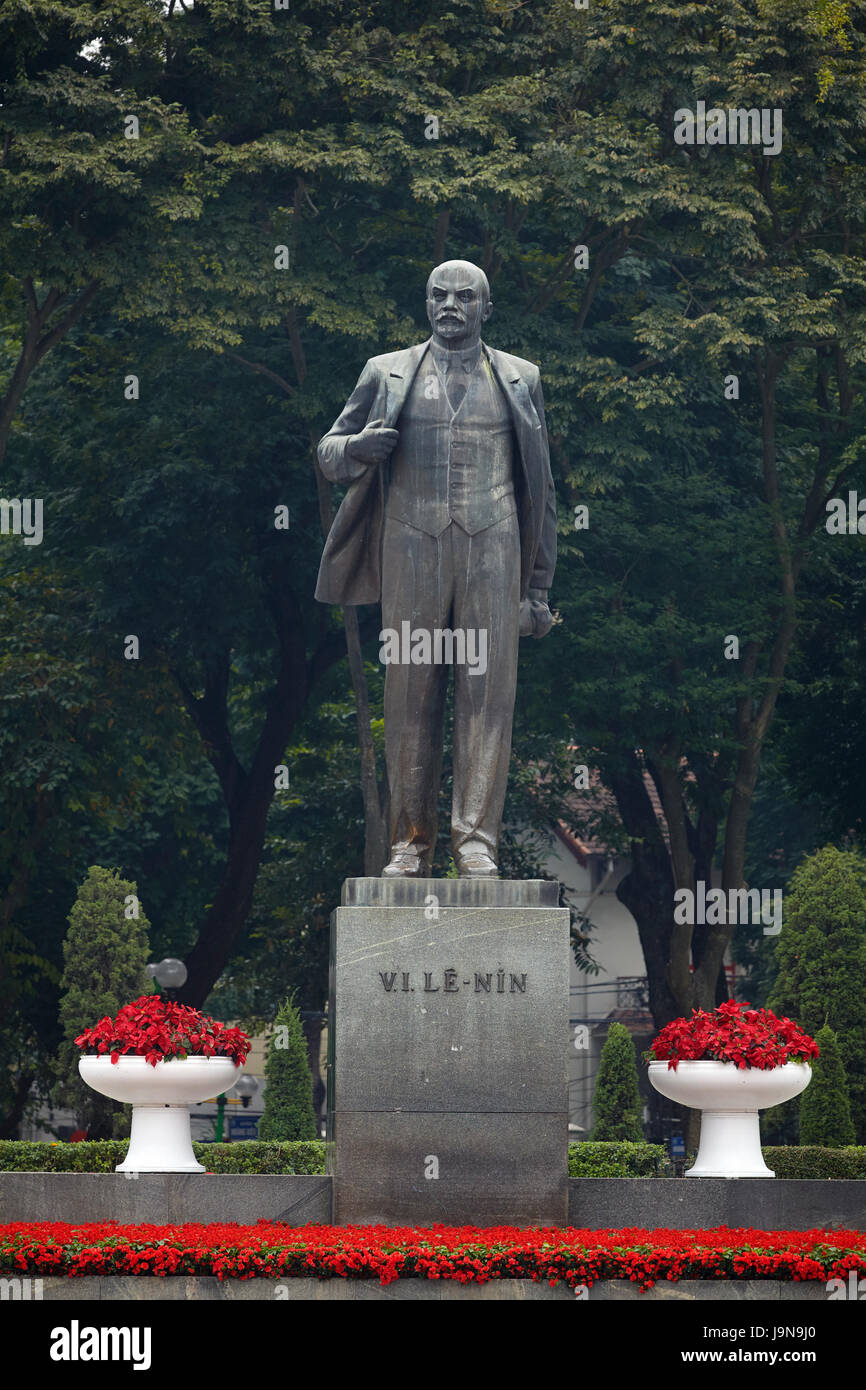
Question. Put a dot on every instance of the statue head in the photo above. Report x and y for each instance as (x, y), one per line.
(458, 302)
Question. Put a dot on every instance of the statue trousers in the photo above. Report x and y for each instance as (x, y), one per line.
(468, 584)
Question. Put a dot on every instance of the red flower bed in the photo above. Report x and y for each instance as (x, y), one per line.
(155, 1028)
(733, 1033)
(466, 1254)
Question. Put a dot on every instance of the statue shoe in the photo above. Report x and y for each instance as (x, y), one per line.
(477, 863)
(405, 863)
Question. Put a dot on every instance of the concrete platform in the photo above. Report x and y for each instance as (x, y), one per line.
(594, 1203)
(125, 1288)
(769, 1204)
(164, 1198)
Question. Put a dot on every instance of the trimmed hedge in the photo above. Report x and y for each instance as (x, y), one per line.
(258, 1156)
(103, 1156)
(623, 1160)
(810, 1161)
(262, 1157)
(588, 1160)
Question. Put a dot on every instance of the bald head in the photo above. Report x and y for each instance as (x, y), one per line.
(458, 302)
(464, 271)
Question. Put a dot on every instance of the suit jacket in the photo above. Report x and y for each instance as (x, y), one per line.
(351, 567)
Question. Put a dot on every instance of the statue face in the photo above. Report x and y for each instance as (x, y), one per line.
(458, 302)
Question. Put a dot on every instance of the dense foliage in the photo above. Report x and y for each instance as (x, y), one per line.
(614, 1160)
(821, 956)
(186, 301)
(105, 954)
(806, 1161)
(616, 1099)
(288, 1111)
(825, 1110)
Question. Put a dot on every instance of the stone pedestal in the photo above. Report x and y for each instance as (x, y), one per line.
(448, 1095)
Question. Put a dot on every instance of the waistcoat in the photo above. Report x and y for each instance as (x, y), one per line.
(452, 465)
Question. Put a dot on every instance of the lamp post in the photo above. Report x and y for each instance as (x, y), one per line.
(169, 973)
(246, 1087)
(221, 1111)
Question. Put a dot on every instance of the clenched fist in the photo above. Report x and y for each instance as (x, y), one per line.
(373, 445)
(536, 619)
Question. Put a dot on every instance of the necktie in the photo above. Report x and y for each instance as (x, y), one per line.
(456, 381)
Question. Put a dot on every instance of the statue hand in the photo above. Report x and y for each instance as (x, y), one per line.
(373, 445)
(536, 619)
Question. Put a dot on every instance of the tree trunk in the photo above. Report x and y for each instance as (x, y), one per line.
(231, 906)
(10, 1122)
(248, 795)
(37, 343)
(647, 889)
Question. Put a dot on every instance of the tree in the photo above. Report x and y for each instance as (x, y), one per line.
(299, 332)
(84, 755)
(617, 1101)
(821, 953)
(310, 131)
(221, 610)
(825, 1110)
(105, 953)
(25, 1026)
(93, 161)
(705, 510)
(315, 839)
(824, 738)
(68, 717)
(288, 1111)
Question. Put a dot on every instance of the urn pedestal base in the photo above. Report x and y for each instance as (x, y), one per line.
(448, 1098)
(729, 1098)
(730, 1138)
(160, 1141)
(160, 1096)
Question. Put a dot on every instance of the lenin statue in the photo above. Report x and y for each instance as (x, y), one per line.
(450, 521)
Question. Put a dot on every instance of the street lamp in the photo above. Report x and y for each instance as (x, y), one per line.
(170, 973)
(246, 1087)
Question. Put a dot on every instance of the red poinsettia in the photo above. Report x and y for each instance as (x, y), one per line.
(155, 1028)
(733, 1033)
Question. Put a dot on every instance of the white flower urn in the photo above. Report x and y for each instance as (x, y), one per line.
(160, 1096)
(729, 1099)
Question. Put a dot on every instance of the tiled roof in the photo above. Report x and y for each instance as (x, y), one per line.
(591, 804)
